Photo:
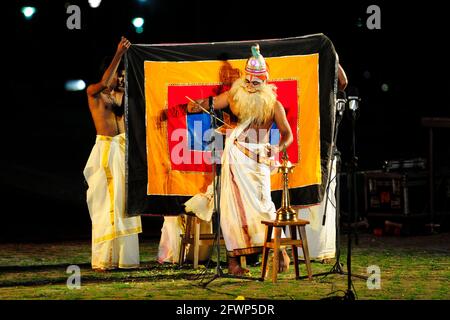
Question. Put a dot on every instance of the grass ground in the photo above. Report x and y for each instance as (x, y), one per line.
(411, 268)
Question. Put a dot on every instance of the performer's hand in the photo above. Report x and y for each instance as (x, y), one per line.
(193, 107)
(273, 150)
(123, 46)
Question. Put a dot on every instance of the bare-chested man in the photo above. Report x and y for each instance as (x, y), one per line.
(246, 162)
(115, 242)
(105, 96)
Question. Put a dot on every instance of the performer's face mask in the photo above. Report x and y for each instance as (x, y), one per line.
(253, 83)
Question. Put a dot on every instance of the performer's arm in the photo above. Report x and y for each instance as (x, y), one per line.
(220, 102)
(283, 125)
(342, 78)
(96, 88)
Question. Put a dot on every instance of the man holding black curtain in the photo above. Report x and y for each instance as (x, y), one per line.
(115, 242)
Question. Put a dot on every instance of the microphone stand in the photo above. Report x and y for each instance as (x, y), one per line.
(337, 267)
(351, 181)
(216, 172)
(352, 199)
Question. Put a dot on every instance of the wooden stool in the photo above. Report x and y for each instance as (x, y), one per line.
(275, 243)
(193, 237)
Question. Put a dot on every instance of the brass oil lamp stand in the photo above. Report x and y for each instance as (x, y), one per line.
(286, 212)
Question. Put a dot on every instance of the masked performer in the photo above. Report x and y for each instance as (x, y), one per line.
(245, 198)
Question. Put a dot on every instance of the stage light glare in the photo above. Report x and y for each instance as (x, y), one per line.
(75, 85)
(359, 23)
(94, 3)
(28, 12)
(384, 87)
(139, 30)
(138, 22)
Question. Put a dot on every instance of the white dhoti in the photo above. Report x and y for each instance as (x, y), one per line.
(170, 241)
(115, 240)
(322, 238)
(245, 198)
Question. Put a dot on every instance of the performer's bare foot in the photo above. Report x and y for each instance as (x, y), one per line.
(284, 260)
(234, 268)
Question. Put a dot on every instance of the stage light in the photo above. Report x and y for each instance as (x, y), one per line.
(94, 3)
(359, 23)
(384, 87)
(75, 85)
(28, 12)
(138, 22)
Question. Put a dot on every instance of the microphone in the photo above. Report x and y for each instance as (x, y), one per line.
(211, 104)
(353, 99)
(340, 102)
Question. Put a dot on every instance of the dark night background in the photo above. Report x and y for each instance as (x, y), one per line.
(48, 132)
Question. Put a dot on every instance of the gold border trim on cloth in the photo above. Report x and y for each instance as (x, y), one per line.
(116, 234)
(254, 156)
(108, 266)
(109, 178)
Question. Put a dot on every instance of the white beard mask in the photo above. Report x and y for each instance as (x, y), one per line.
(257, 103)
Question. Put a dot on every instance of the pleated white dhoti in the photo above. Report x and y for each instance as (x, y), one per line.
(245, 198)
(115, 240)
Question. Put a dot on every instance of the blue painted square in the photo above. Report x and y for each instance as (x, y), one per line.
(197, 125)
(274, 134)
